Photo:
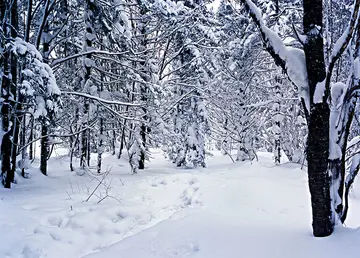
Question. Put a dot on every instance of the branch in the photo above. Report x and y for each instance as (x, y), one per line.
(58, 61)
(104, 101)
(354, 168)
(291, 60)
(42, 24)
(341, 45)
(271, 40)
(98, 185)
(55, 135)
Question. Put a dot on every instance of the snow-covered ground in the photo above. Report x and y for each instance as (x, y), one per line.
(226, 210)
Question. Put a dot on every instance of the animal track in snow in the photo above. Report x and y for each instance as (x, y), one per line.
(190, 196)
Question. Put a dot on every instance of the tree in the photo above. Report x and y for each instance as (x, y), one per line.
(189, 126)
(325, 151)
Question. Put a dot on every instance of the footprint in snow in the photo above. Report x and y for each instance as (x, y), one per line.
(55, 221)
(193, 181)
(30, 207)
(159, 182)
(184, 250)
(190, 196)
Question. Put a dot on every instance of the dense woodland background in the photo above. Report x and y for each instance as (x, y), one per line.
(125, 76)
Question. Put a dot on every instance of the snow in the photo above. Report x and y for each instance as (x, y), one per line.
(293, 57)
(337, 95)
(319, 92)
(353, 168)
(340, 42)
(19, 46)
(243, 209)
(357, 68)
(337, 92)
(353, 142)
(40, 107)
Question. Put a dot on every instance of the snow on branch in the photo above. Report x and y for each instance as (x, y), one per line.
(65, 59)
(342, 43)
(104, 101)
(292, 60)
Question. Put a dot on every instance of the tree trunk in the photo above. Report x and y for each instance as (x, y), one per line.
(122, 141)
(143, 129)
(113, 140)
(31, 137)
(8, 87)
(15, 140)
(318, 124)
(319, 179)
(72, 147)
(5, 144)
(44, 148)
(100, 145)
(277, 122)
(90, 17)
(84, 147)
(24, 155)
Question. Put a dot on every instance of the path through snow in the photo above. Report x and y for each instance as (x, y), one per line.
(226, 210)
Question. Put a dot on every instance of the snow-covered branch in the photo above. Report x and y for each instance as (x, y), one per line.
(341, 44)
(104, 101)
(291, 60)
(59, 61)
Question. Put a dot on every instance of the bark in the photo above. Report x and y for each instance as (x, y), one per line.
(44, 149)
(15, 140)
(113, 141)
(122, 141)
(44, 143)
(100, 145)
(31, 137)
(28, 20)
(277, 122)
(24, 155)
(71, 154)
(5, 144)
(73, 144)
(143, 142)
(318, 125)
(8, 88)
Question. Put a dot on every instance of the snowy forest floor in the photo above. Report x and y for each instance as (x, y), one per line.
(250, 210)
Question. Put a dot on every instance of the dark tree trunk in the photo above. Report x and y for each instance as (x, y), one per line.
(318, 136)
(44, 143)
(113, 140)
(31, 137)
(74, 141)
(143, 142)
(15, 140)
(71, 158)
(277, 122)
(122, 141)
(88, 150)
(44, 149)
(24, 156)
(8, 88)
(319, 180)
(5, 144)
(100, 145)
(84, 139)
